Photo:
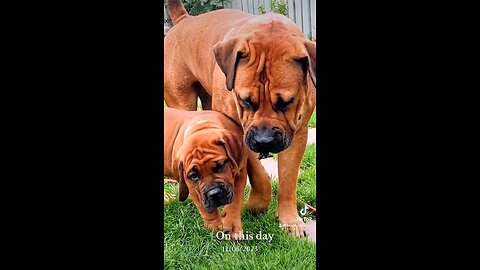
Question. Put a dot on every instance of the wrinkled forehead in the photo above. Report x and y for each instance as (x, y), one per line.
(275, 60)
(287, 74)
(281, 75)
(281, 45)
(204, 152)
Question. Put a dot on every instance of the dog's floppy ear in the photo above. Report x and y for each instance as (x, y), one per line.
(312, 60)
(182, 186)
(227, 54)
(233, 145)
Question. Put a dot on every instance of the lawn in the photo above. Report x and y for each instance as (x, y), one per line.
(312, 123)
(188, 245)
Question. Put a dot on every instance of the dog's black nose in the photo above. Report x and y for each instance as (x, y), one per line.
(214, 193)
(265, 140)
(216, 196)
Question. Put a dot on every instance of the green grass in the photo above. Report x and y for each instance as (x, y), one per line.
(313, 120)
(188, 245)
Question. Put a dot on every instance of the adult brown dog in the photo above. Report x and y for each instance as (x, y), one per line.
(261, 72)
(204, 152)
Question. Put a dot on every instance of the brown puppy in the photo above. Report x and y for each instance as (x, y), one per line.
(261, 72)
(204, 151)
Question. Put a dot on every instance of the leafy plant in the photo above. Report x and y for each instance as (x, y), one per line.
(280, 7)
(196, 7)
(261, 9)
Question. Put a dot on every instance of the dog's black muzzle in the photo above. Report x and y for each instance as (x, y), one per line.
(216, 195)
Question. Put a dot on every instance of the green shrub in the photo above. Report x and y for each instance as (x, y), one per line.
(261, 9)
(196, 7)
(280, 7)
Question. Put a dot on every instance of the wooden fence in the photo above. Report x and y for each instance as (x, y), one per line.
(302, 12)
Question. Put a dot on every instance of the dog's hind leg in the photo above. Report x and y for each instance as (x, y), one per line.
(205, 98)
(179, 94)
(179, 91)
(183, 101)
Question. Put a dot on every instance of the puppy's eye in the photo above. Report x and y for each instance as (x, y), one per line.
(249, 104)
(194, 175)
(218, 168)
(281, 105)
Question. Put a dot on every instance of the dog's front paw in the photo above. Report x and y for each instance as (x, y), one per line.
(233, 226)
(293, 224)
(215, 224)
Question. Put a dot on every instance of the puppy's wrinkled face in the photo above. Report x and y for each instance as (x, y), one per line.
(208, 170)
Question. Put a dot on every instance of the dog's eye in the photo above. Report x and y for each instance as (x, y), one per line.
(194, 175)
(249, 104)
(281, 105)
(218, 168)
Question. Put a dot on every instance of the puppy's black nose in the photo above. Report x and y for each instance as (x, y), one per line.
(214, 193)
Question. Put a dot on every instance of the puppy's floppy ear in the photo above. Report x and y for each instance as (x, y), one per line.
(233, 145)
(182, 186)
(227, 54)
(312, 60)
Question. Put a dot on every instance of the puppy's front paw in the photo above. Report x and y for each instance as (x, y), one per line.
(233, 226)
(215, 224)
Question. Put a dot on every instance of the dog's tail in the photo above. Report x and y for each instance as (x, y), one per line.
(176, 10)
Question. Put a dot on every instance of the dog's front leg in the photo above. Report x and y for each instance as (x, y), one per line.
(261, 192)
(212, 220)
(232, 213)
(288, 167)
